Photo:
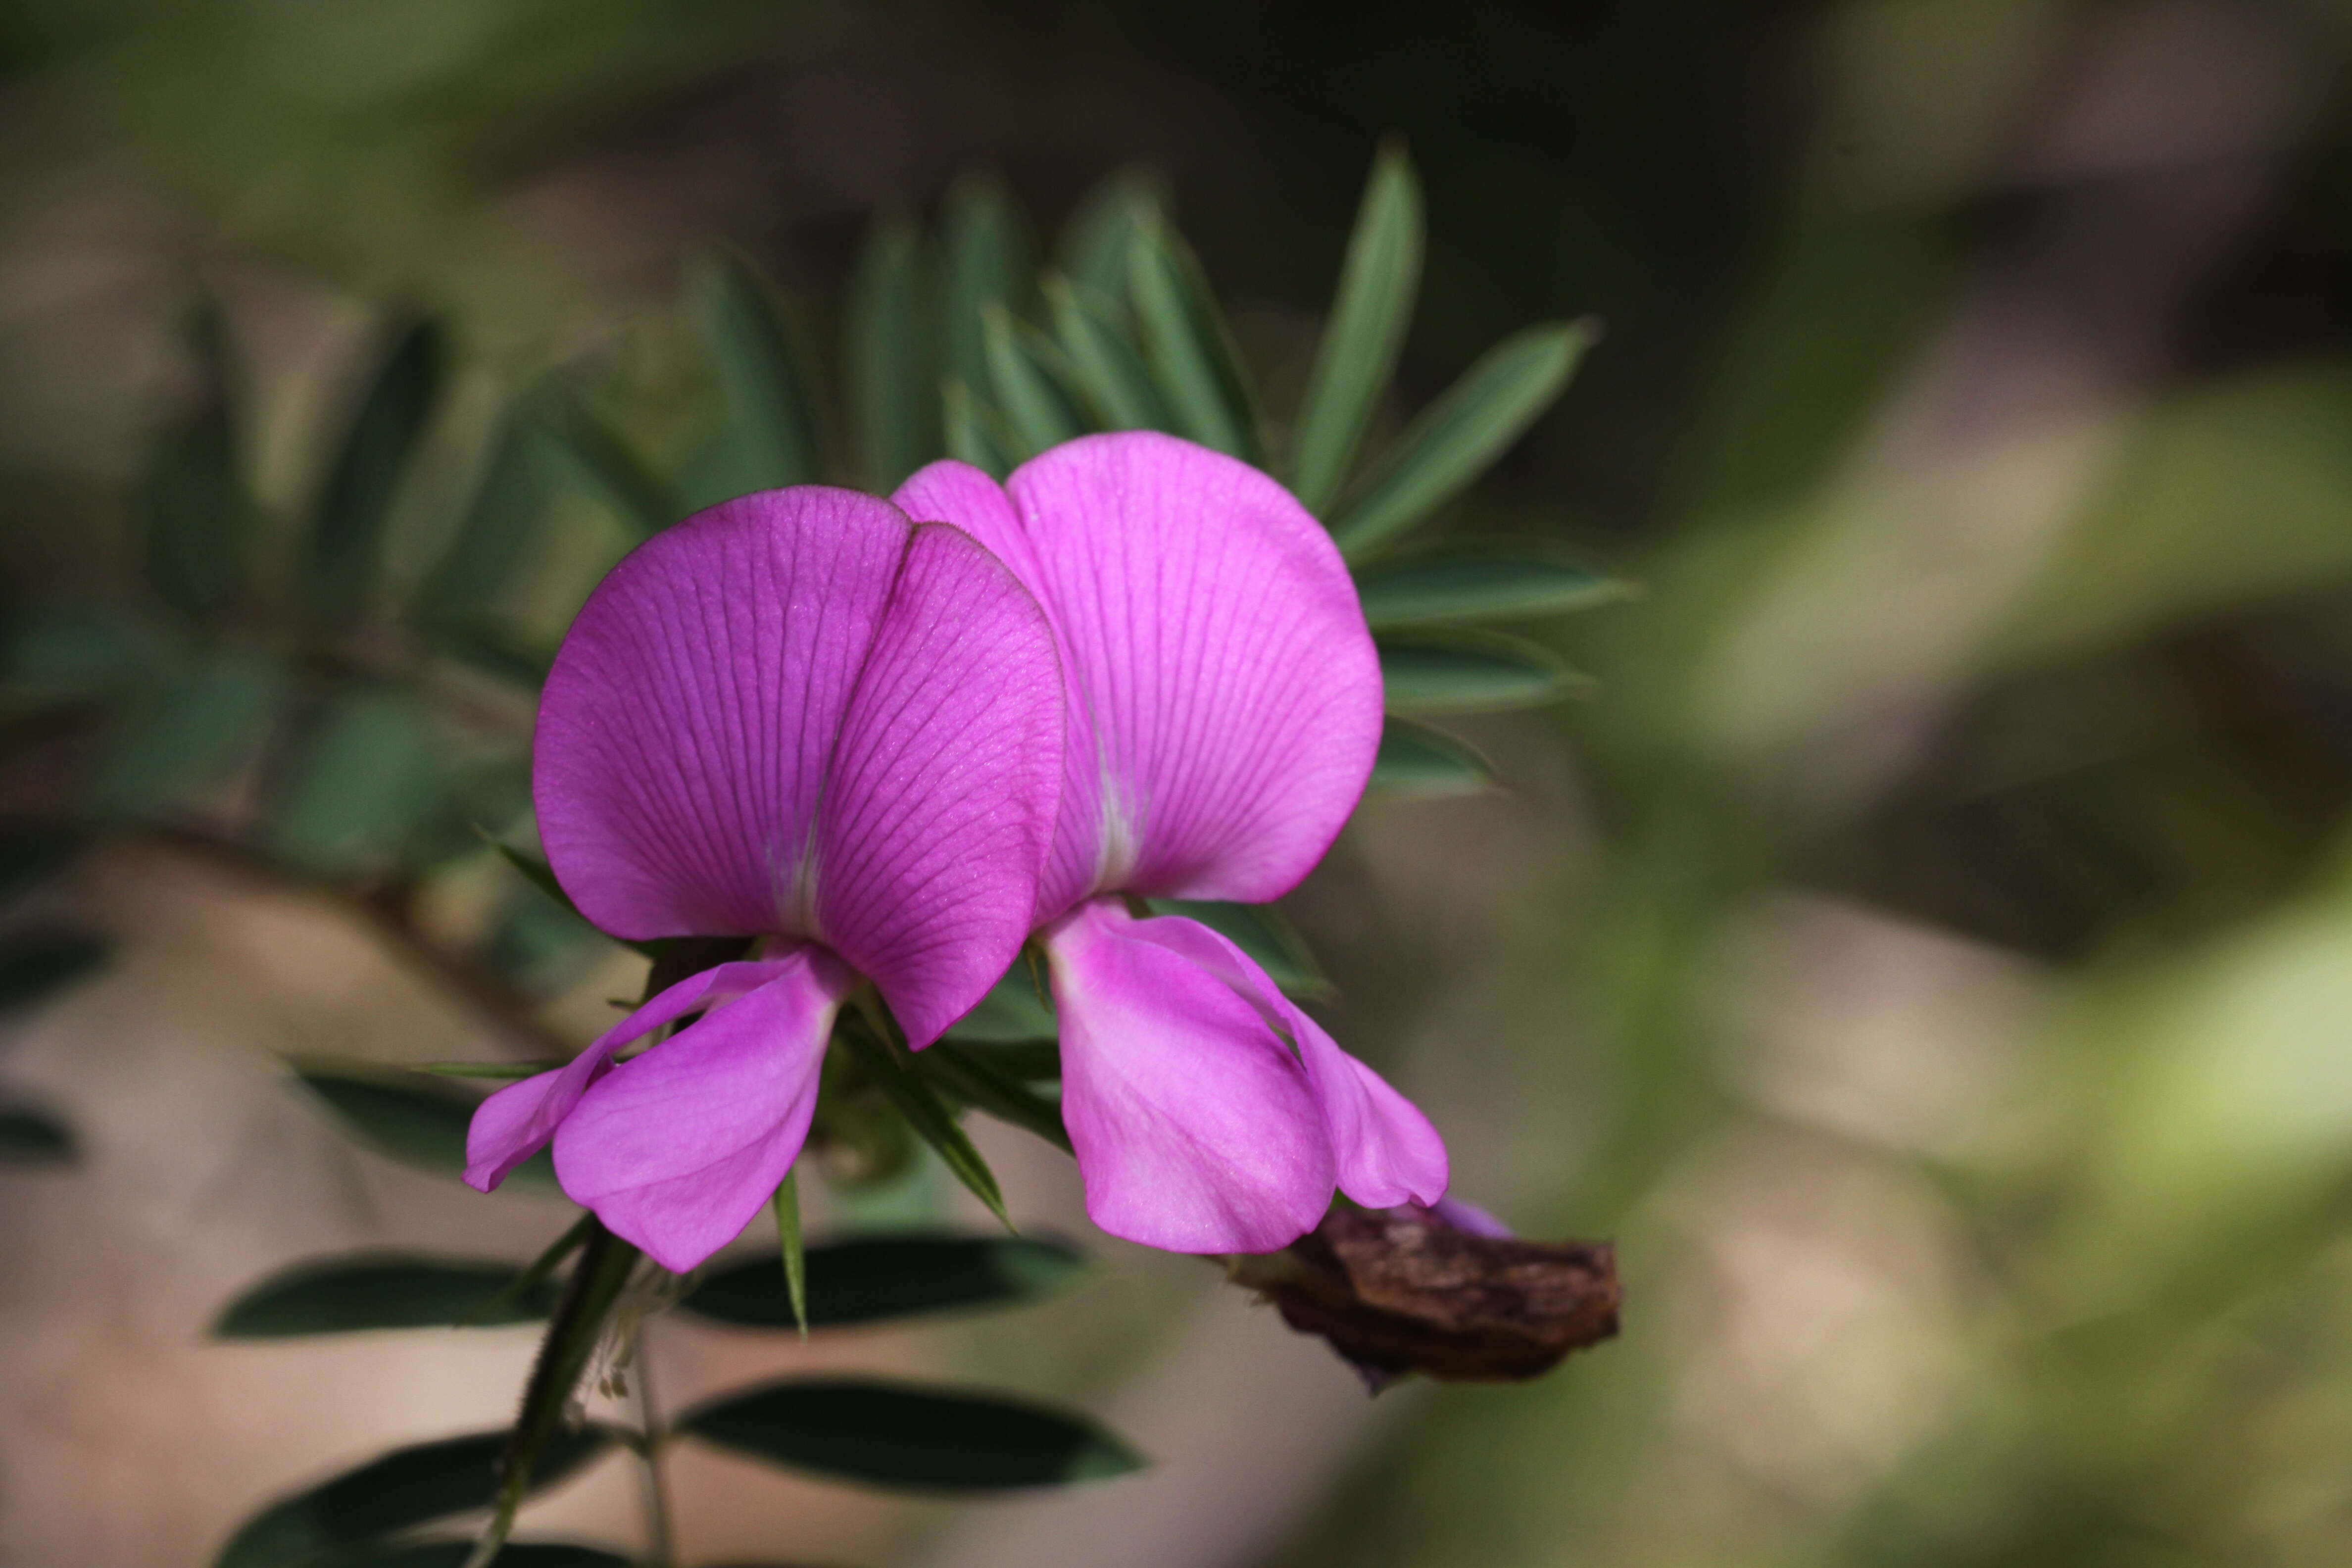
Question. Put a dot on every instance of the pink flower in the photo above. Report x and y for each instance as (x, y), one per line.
(801, 716)
(1223, 709)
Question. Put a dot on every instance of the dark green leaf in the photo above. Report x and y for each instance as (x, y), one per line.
(980, 1077)
(346, 547)
(541, 876)
(72, 652)
(1024, 1061)
(540, 1434)
(1013, 1010)
(1416, 760)
(1480, 583)
(976, 432)
(29, 1138)
(1109, 366)
(189, 735)
(604, 464)
(380, 1290)
(988, 262)
(1191, 352)
(1460, 671)
(1369, 317)
(409, 1117)
(1261, 931)
(495, 1072)
(896, 1434)
(501, 526)
(891, 1067)
(193, 506)
(363, 784)
(1457, 438)
(318, 1527)
(32, 854)
(518, 1555)
(496, 647)
(1034, 403)
(34, 964)
(874, 1278)
(770, 417)
(794, 1250)
(894, 358)
(1093, 246)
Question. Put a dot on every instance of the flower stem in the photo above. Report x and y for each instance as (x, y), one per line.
(660, 1533)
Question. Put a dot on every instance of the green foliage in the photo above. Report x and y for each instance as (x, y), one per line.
(381, 1291)
(1416, 760)
(1459, 436)
(890, 1068)
(1189, 347)
(1365, 333)
(988, 262)
(36, 965)
(411, 1118)
(362, 785)
(187, 735)
(498, 530)
(894, 1435)
(1261, 931)
(1480, 583)
(768, 413)
(893, 358)
(195, 513)
(320, 1526)
(879, 1278)
(1460, 671)
(344, 551)
(29, 1138)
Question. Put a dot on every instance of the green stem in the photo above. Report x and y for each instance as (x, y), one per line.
(660, 1531)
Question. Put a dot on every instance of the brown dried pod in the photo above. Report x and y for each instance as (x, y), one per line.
(1408, 1290)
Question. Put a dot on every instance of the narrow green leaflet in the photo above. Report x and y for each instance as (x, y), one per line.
(538, 1445)
(1458, 436)
(771, 415)
(1091, 250)
(1261, 931)
(1416, 760)
(978, 1077)
(988, 261)
(604, 464)
(1191, 352)
(494, 537)
(1369, 316)
(381, 1291)
(409, 1117)
(195, 511)
(876, 1278)
(517, 1554)
(362, 784)
(29, 1138)
(891, 1067)
(319, 1527)
(900, 1435)
(792, 1250)
(491, 1072)
(976, 433)
(541, 876)
(344, 549)
(1481, 582)
(1040, 412)
(34, 964)
(1013, 1010)
(1109, 366)
(1465, 672)
(188, 735)
(893, 356)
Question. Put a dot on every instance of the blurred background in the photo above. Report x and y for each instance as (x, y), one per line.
(1927, 953)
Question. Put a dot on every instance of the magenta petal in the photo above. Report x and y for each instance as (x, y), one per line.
(1195, 1128)
(1218, 643)
(962, 494)
(676, 1149)
(1385, 1151)
(940, 798)
(515, 1123)
(686, 726)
